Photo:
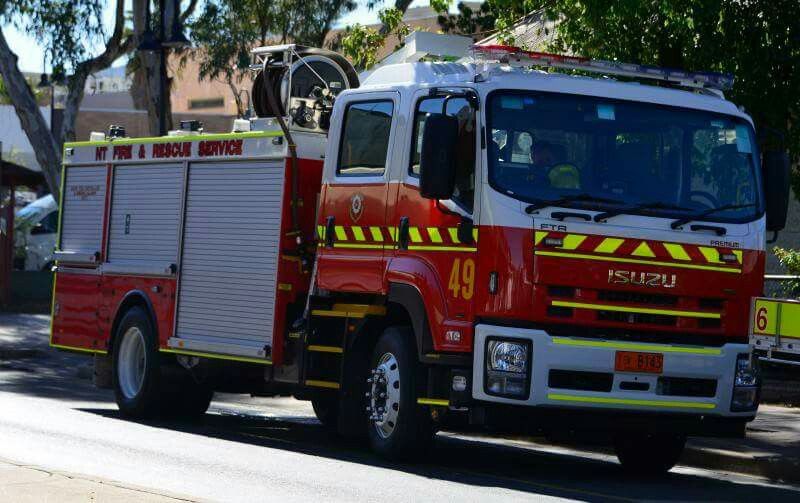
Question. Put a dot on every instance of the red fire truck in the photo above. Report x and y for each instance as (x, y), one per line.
(445, 245)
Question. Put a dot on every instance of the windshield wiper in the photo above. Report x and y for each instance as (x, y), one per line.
(539, 204)
(637, 207)
(698, 216)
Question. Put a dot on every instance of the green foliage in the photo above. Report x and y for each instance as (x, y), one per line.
(467, 21)
(790, 260)
(362, 43)
(66, 29)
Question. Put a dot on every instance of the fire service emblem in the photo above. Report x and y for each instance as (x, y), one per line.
(356, 206)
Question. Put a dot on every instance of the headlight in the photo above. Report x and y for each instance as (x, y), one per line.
(746, 384)
(508, 356)
(508, 368)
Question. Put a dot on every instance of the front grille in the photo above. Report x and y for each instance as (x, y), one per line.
(580, 380)
(651, 299)
(685, 386)
(559, 311)
(650, 319)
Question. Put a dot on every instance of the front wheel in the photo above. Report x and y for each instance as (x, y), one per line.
(648, 454)
(398, 428)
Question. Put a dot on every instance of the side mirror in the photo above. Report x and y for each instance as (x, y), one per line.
(437, 160)
(776, 171)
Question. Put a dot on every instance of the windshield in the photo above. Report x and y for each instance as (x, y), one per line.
(660, 161)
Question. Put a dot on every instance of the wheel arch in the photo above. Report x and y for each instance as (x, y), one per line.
(134, 298)
(405, 306)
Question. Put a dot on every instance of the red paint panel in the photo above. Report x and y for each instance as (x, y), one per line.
(75, 311)
(159, 291)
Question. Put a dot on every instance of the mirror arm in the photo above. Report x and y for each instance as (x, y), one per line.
(774, 238)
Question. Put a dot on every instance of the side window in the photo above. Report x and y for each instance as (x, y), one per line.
(365, 138)
(465, 173)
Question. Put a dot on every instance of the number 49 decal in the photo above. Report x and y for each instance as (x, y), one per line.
(462, 279)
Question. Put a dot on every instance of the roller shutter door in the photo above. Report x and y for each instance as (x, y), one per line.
(230, 253)
(145, 214)
(83, 206)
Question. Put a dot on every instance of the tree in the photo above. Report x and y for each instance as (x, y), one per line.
(467, 21)
(226, 31)
(362, 43)
(55, 24)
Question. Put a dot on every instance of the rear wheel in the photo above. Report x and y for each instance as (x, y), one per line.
(649, 454)
(135, 366)
(398, 428)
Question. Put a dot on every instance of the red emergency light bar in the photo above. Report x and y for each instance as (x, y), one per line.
(514, 56)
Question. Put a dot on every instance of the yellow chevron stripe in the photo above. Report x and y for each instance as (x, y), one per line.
(609, 245)
(711, 255)
(475, 234)
(738, 254)
(341, 235)
(636, 310)
(643, 251)
(377, 235)
(572, 241)
(433, 232)
(676, 251)
(358, 233)
(538, 236)
(321, 231)
(413, 233)
(442, 248)
(453, 231)
(433, 401)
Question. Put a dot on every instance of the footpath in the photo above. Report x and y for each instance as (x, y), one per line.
(771, 448)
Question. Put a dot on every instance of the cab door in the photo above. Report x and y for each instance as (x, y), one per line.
(352, 217)
(437, 240)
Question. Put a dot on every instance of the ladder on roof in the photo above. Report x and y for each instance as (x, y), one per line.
(516, 57)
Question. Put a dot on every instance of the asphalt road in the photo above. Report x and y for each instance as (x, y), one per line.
(274, 449)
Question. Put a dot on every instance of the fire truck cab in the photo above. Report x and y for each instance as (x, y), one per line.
(445, 245)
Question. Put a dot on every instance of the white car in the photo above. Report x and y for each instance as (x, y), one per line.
(36, 228)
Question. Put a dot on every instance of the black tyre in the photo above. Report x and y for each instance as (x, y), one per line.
(135, 367)
(398, 428)
(326, 408)
(648, 454)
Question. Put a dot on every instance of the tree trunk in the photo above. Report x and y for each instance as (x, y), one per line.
(148, 71)
(36, 129)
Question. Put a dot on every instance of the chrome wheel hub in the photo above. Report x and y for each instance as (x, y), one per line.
(131, 364)
(384, 395)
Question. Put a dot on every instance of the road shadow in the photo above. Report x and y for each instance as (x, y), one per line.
(476, 462)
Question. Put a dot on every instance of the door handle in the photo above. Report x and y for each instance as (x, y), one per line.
(330, 229)
(402, 234)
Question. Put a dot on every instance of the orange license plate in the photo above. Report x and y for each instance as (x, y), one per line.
(632, 361)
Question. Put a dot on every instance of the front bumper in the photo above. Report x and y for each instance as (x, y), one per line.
(573, 355)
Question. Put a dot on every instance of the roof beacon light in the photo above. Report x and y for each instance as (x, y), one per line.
(514, 56)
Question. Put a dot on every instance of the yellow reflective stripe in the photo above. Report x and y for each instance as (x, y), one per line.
(393, 233)
(377, 235)
(261, 361)
(360, 308)
(676, 251)
(631, 309)
(321, 231)
(738, 254)
(453, 231)
(358, 233)
(433, 401)
(322, 384)
(643, 251)
(538, 236)
(442, 248)
(572, 241)
(286, 287)
(340, 234)
(325, 349)
(170, 139)
(711, 254)
(433, 232)
(358, 246)
(630, 401)
(414, 234)
(634, 346)
(475, 234)
(609, 245)
(78, 349)
(636, 261)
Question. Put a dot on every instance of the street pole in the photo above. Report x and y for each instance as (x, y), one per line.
(162, 73)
